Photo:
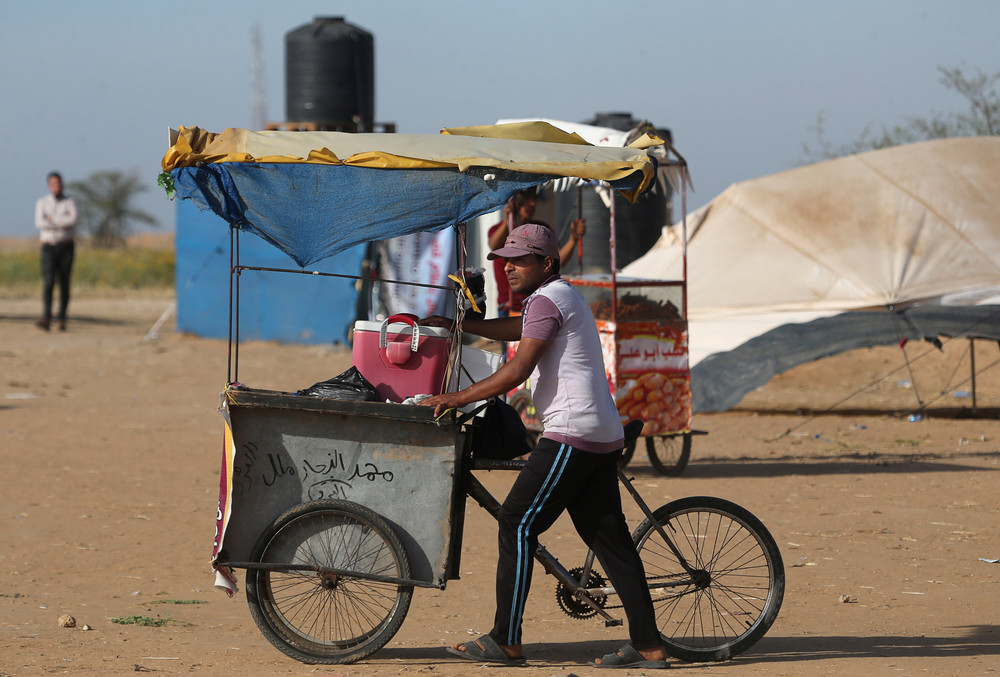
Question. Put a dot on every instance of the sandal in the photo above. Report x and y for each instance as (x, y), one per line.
(628, 657)
(486, 650)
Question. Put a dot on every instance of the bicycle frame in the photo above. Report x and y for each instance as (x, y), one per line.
(552, 566)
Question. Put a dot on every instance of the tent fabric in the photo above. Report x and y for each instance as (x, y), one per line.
(888, 227)
(721, 380)
(915, 225)
(314, 194)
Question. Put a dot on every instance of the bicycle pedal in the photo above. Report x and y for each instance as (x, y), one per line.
(613, 623)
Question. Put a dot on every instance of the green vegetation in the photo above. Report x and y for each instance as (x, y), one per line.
(146, 621)
(98, 269)
(106, 210)
(177, 601)
(981, 118)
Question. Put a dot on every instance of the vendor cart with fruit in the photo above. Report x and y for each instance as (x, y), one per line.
(644, 334)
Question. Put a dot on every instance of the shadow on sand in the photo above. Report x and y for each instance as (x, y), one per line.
(977, 640)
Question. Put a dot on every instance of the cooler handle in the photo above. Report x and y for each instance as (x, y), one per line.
(383, 342)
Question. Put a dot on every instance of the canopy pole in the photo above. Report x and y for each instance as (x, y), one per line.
(229, 356)
(614, 264)
(236, 348)
(972, 362)
(684, 239)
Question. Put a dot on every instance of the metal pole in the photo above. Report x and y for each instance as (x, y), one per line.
(684, 239)
(229, 358)
(579, 242)
(614, 266)
(972, 361)
(236, 328)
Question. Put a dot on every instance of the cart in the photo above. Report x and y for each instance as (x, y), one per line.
(337, 509)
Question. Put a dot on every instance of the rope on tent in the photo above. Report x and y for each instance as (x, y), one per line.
(945, 392)
(902, 341)
(908, 364)
(851, 396)
(958, 363)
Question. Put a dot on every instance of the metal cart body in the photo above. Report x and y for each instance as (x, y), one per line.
(286, 449)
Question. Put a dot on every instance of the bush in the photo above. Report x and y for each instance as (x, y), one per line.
(98, 269)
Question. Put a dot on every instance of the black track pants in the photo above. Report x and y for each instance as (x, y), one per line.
(558, 477)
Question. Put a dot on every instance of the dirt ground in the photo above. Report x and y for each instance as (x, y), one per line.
(110, 446)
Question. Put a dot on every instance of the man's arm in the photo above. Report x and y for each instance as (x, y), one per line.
(497, 329)
(510, 375)
(498, 235)
(577, 229)
(65, 213)
(41, 219)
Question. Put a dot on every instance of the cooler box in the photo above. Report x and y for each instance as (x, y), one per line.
(400, 358)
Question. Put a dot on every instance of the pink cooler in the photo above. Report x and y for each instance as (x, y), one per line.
(400, 358)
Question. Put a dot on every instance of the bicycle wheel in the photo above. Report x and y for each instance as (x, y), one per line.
(669, 454)
(319, 617)
(735, 592)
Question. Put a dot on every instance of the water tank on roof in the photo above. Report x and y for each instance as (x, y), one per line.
(330, 75)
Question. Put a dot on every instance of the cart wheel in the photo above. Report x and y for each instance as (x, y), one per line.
(525, 408)
(733, 592)
(325, 617)
(669, 454)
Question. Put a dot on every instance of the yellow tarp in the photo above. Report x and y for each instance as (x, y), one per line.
(521, 147)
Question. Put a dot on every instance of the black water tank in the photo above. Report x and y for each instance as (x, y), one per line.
(330, 75)
(638, 226)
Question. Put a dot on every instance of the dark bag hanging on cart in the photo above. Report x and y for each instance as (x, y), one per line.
(500, 433)
(350, 385)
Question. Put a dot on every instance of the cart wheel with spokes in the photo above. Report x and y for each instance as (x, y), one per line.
(733, 592)
(326, 615)
(669, 454)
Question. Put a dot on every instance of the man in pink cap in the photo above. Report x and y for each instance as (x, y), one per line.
(574, 465)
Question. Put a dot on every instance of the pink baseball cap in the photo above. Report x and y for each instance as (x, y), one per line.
(530, 238)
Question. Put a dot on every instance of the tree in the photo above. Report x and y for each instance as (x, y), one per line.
(982, 119)
(104, 200)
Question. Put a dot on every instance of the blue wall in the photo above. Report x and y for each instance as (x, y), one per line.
(284, 307)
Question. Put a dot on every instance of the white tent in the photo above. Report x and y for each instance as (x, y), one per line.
(900, 228)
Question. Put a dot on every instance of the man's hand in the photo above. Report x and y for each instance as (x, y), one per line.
(437, 321)
(443, 403)
(578, 228)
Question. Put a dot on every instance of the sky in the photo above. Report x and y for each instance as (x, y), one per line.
(94, 86)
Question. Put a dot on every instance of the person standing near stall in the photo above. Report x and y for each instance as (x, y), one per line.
(55, 218)
(574, 465)
(521, 209)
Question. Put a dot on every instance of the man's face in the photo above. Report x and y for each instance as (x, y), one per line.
(55, 185)
(527, 209)
(526, 273)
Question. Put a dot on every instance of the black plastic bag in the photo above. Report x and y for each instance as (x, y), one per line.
(351, 385)
(500, 433)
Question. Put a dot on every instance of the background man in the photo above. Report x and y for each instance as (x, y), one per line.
(520, 209)
(55, 217)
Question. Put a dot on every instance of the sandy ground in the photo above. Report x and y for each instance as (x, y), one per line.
(110, 447)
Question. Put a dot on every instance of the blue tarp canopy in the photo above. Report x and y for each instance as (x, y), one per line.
(312, 211)
(314, 194)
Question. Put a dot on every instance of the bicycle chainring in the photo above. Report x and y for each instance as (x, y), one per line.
(575, 607)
